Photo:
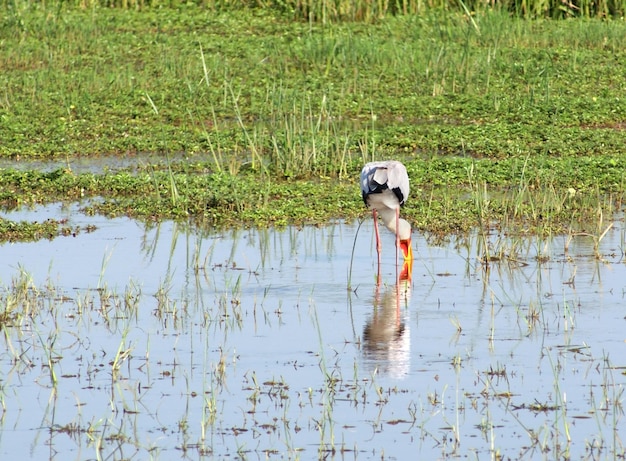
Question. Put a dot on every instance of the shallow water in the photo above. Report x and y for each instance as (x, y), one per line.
(100, 164)
(170, 342)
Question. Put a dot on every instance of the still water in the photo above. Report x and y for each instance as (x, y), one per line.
(167, 342)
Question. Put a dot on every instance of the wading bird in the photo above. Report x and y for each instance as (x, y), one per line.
(385, 188)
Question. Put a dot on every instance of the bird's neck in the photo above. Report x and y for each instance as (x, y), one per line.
(389, 220)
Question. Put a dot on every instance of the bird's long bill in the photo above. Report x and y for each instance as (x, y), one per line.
(407, 251)
(406, 275)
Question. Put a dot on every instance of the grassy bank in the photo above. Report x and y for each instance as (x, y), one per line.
(267, 120)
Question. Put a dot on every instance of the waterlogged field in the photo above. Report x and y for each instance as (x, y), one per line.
(165, 342)
(126, 340)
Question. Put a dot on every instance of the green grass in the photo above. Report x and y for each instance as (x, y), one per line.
(325, 11)
(12, 231)
(265, 120)
(253, 84)
(538, 194)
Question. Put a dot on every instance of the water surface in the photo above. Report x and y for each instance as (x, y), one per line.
(166, 341)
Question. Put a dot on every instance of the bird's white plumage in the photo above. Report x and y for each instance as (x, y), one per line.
(389, 175)
(385, 188)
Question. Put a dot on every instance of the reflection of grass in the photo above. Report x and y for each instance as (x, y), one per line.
(325, 423)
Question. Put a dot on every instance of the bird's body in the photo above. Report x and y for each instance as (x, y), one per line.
(388, 175)
(385, 188)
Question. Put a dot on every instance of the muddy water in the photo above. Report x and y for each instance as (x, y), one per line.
(167, 342)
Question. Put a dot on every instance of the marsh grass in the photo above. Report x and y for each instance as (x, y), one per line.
(12, 231)
(327, 11)
(263, 120)
(343, 74)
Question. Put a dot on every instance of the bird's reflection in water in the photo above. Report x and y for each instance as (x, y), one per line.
(386, 336)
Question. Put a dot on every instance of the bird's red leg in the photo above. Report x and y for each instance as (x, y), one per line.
(397, 244)
(378, 244)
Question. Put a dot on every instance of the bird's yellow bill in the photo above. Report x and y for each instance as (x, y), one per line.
(406, 275)
(407, 251)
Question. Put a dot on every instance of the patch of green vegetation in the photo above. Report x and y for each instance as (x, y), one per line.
(449, 194)
(255, 86)
(500, 120)
(25, 231)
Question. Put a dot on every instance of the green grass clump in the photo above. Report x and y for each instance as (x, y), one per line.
(24, 231)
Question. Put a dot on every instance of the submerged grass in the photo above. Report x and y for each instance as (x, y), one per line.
(263, 120)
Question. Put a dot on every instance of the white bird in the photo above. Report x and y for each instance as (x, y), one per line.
(385, 188)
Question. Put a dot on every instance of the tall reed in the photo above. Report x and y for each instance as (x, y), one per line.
(325, 11)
